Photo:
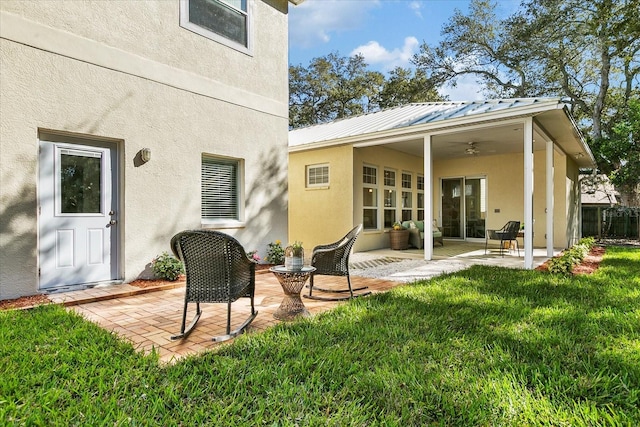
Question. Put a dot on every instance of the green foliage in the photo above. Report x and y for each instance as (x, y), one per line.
(618, 154)
(334, 87)
(563, 264)
(167, 267)
(275, 253)
(487, 346)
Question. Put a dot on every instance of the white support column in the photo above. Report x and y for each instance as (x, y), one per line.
(528, 193)
(550, 201)
(428, 199)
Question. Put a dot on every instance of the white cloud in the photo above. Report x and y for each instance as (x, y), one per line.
(376, 54)
(416, 7)
(314, 21)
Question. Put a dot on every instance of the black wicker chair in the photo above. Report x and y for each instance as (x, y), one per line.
(218, 271)
(333, 260)
(508, 233)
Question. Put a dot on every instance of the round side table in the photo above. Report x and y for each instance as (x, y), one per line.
(292, 282)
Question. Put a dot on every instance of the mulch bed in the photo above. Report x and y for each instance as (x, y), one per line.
(589, 264)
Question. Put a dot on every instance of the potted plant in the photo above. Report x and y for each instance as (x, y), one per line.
(294, 256)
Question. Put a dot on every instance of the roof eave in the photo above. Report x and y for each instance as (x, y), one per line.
(426, 128)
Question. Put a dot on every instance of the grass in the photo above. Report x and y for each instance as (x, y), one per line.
(485, 346)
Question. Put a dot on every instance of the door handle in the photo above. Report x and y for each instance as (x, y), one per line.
(113, 222)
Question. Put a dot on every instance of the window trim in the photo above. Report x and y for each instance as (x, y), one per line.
(188, 25)
(317, 166)
(240, 196)
(374, 187)
(389, 185)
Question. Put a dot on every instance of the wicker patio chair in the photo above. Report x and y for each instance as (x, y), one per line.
(218, 271)
(508, 233)
(333, 260)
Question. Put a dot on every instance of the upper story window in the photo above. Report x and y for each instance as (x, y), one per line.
(225, 21)
(317, 176)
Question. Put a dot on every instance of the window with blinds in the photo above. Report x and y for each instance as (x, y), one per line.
(220, 189)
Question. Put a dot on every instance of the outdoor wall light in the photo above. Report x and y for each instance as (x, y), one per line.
(145, 155)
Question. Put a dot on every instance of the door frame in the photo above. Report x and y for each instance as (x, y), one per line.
(74, 140)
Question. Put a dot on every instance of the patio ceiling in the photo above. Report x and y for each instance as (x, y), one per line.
(494, 127)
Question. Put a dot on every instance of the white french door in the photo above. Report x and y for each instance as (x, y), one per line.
(78, 214)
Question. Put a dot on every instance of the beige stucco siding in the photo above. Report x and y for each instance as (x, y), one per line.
(47, 91)
(323, 214)
(151, 30)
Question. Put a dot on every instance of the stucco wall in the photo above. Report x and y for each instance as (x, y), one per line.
(323, 214)
(176, 112)
(151, 29)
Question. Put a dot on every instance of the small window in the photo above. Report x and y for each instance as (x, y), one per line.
(220, 190)
(225, 21)
(317, 176)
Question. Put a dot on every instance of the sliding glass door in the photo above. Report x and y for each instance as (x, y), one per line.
(475, 207)
(452, 208)
(464, 202)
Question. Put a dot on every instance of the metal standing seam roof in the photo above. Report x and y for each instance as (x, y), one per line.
(409, 115)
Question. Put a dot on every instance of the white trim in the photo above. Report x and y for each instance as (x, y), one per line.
(39, 36)
(308, 185)
(428, 199)
(528, 194)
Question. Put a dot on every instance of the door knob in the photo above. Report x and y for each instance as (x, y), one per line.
(113, 222)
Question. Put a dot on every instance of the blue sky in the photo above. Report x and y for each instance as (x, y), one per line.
(387, 32)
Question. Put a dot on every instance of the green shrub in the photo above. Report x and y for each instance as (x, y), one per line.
(167, 267)
(275, 253)
(564, 263)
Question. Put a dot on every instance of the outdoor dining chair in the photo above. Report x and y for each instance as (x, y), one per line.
(218, 271)
(508, 233)
(333, 260)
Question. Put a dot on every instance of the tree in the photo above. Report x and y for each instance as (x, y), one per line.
(587, 52)
(619, 154)
(404, 86)
(481, 45)
(334, 87)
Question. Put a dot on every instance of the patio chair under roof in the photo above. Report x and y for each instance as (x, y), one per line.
(508, 233)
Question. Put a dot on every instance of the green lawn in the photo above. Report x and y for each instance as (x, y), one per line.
(486, 346)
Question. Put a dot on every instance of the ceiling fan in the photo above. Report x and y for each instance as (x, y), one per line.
(472, 150)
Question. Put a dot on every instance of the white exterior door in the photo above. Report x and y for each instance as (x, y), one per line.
(78, 214)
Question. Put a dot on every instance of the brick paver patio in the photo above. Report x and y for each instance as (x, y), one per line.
(148, 317)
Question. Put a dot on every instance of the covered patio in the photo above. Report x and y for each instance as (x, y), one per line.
(468, 166)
